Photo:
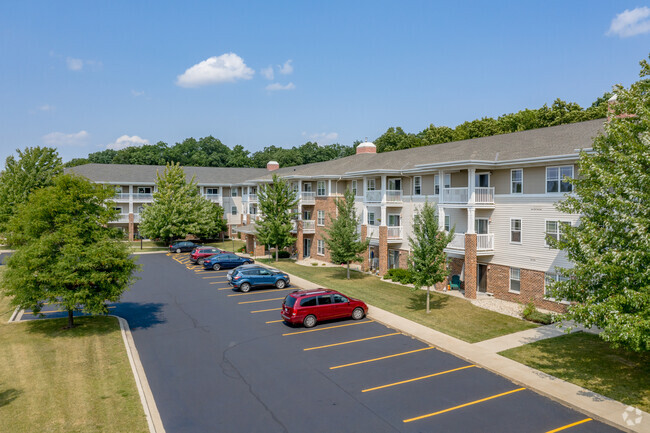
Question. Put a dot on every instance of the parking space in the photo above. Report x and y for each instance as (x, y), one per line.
(218, 359)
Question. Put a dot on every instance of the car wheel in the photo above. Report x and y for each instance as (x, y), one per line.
(310, 321)
(280, 284)
(216, 266)
(200, 262)
(178, 250)
(358, 313)
(245, 287)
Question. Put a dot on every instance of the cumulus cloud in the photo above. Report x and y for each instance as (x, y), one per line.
(322, 137)
(287, 68)
(62, 139)
(137, 93)
(74, 64)
(126, 141)
(267, 72)
(277, 86)
(630, 23)
(226, 68)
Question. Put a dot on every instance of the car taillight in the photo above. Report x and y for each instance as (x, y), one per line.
(237, 278)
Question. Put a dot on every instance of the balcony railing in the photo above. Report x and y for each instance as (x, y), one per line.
(393, 196)
(308, 226)
(122, 218)
(373, 196)
(373, 232)
(252, 198)
(142, 196)
(213, 197)
(484, 242)
(122, 196)
(308, 197)
(394, 232)
(482, 195)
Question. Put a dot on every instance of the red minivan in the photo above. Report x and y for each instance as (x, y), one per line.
(311, 306)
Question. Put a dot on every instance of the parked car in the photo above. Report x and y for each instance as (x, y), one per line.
(254, 265)
(182, 246)
(246, 278)
(199, 254)
(311, 306)
(225, 260)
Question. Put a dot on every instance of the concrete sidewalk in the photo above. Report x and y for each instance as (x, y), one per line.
(484, 354)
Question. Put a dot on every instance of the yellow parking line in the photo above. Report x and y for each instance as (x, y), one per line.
(275, 321)
(352, 341)
(223, 288)
(570, 425)
(325, 329)
(417, 378)
(220, 282)
(261, 300)
(383, 357)
(214, 276)
(263, 311)
(463, 405)
(261, 292)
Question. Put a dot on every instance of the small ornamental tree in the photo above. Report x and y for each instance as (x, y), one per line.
(65, 253)
(428, 260)
(342, 239)
(178, 209)
(609, 284)
(276, 202)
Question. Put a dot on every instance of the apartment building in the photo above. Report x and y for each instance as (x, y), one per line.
(497, 193)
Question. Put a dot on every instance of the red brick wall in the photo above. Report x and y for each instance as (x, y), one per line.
(531, 287)
(470, 266)
(328, 205)
(383, 249)
(365, 265)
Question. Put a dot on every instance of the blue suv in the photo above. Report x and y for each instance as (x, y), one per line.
(244, 279)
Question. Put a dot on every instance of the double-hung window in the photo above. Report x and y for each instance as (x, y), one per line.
(436, 183)
(233, 210)
(554, 230)
(517, 181)
(447, 223)
(515, 230)
(417, 185)
(212, 191)
(549, 280)
(321, 218)
(320, 247)
(320, 189)
(555, 179)
(371, 184)
(515, 280)
(354, 188)
(233, 191)
(371, 218)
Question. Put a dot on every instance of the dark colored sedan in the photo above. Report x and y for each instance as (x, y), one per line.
(225, 261)
(182, 246)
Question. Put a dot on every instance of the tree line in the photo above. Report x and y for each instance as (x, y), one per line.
(211, 152)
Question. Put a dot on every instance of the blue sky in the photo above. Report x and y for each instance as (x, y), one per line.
(84, 76)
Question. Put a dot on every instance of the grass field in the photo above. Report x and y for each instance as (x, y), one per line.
(164, 246)
(586, 360)
(453, 316)
(55, 380)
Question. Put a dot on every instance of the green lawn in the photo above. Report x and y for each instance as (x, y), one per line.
(55, 380)
(163, 246)
(453, 316)
(588, 361)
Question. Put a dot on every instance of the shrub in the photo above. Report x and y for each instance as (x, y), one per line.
(530, 313)
(403, 276)
(242, 250)
(284, 254)
(314, 264)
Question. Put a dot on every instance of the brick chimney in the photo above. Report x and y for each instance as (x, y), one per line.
(366, 147)
(272, 165)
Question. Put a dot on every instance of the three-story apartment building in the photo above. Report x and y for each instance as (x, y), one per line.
(497, 193)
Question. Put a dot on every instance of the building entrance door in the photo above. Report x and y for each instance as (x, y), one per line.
(481, 280)
(306, 247)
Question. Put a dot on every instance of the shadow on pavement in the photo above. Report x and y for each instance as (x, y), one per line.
(140, 315)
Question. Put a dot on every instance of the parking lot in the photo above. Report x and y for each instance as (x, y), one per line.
(219, 360)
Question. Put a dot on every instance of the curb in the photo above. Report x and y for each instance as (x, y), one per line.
(13, 316)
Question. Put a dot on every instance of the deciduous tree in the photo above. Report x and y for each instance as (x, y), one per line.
(276, 203)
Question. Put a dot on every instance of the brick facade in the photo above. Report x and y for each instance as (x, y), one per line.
(470, 265)
(365, 265)
(299, 240)
(383, 249)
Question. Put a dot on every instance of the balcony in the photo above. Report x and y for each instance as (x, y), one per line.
(482, 195)
(213, 197)
(142, 197)
(373, 196)
(252, 198)
(484, 244)
(394, 233)
(122, 196)
(122, 218)
(393, 196)
(308, 197)
(308, 226)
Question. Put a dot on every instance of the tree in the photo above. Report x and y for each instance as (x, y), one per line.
(178, 209)
(65, 253)
(35, 168)
(609, 283)
(428, 261)
(276, 203)
(342, 239)
(213, 224)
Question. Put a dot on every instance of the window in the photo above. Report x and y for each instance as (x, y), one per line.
(339, 299)
(320, 190)
(517, 181)
(417, 185)
(549, 280)
(371, 218)
(321, 218)
(306, 186)
(306, 214)
(233, 210)
(233, 192)
(554, 230)
(436, 183)
(515, 230)
(213, 191)
(371, 184)
(309, 302)
(515, 282)
(354, 187)
(324, 300)
(294, 186)
(320, 247)
(555, 179)
(144, 190)
(447, 223)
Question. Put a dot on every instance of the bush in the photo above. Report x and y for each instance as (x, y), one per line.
(284, 254)
(530, 313)
(403, 276)
(242, 250)
(314, 264)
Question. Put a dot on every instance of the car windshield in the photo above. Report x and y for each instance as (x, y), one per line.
(289, 301)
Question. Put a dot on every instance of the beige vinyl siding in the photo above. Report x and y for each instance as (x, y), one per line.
(500, 180)
(458, 219)
(458, 179)
(407, 186)
(535, 180)
(427, 184)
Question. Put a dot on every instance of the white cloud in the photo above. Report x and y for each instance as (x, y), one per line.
(630, 23)
(322, 137)
(137, 93)
(277, 86)
(74, 64)
(226, 68)
(126, 141)
(287, 68)
(46, 107)
(267, 72)
(62, 139)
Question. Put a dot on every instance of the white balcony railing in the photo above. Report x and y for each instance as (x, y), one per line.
(373, 196)
(484, 194)
(308, 226)
(213, 197)
(308, 197)
(252, 198)
(454, 195)
(373, 232)
(393, 196)
(457, 242)
(484, 242)
(394, 232)
(136, 218)
(119, 196)
(142, 196)
(122, 218)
